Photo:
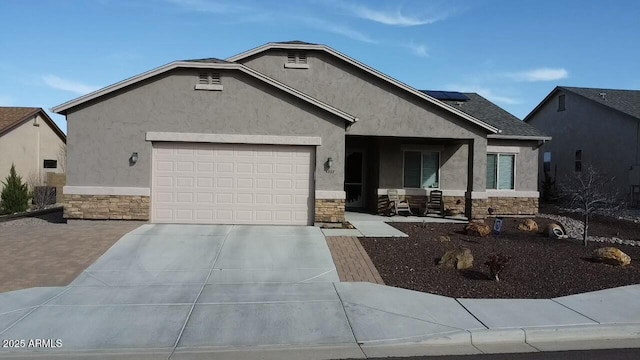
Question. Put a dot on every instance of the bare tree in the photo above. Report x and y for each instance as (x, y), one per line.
(588, 192)
(42, 195)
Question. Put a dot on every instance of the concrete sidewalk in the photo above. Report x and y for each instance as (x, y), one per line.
(167, 292)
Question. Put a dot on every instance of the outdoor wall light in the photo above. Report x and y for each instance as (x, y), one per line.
(133, 159)
(329, 163)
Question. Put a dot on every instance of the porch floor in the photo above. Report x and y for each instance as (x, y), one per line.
(361, 216)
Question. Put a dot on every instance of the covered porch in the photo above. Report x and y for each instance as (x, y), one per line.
(413, 166)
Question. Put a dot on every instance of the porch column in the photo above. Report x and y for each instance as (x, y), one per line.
(476, 204)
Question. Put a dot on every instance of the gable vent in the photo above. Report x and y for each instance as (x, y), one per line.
(203, 78)
(215, 79)
(302, 58)
(291, 58)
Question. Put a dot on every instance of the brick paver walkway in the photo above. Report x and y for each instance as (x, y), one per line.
(352, 261)
(53, 254)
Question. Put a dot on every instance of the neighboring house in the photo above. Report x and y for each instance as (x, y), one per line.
(30, 140)
(265, 136)
(591, 126)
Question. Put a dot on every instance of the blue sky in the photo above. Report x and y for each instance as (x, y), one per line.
(512, 52)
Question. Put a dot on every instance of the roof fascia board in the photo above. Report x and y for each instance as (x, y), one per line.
(31, 115)
(518, 137)
(370, 70)
(60, 109)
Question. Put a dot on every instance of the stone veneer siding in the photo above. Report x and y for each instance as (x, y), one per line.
(504, 206)
(329, 211)
(106, 207)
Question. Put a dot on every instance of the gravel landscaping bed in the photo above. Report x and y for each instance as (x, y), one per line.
(539, 267)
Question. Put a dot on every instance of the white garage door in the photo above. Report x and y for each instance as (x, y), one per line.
(232, 184)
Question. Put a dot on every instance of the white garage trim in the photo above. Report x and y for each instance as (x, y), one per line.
(328, 194)
(106, 190)
(233, 138)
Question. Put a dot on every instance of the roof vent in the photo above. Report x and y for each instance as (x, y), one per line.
(459, 103)
(603, 95)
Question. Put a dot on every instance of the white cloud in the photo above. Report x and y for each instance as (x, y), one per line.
(418, 49)
(485, 92)
(216, 7)
(349, 32)
(392, 17)
(542, 74)
(68, 85)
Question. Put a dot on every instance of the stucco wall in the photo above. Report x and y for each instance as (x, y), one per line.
(382, 108)
(103, 135)
(608, 139)
(526, 162)
(27, 146)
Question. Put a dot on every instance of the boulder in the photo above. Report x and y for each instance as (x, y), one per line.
(611, 256)
(555, 231)
(444, 238)
(460, 258)
(477, 229)
(528, 225)
(452, 212)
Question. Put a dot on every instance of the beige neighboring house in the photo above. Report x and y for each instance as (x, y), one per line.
(30, 140)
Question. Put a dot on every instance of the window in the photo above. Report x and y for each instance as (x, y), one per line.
(561, 103)
(296, 60)
(50, 164)
(421, 169)
(501, 171)
(209, 81)
(546, 161)
(578, 166)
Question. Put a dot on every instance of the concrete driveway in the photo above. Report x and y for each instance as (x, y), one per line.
(166, 288)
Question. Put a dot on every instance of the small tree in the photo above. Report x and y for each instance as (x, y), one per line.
(62, 157)
(41, 194)
(588, 192)
(15, 193)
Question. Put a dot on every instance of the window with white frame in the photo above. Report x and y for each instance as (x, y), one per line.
(501, 171)
(421, 169)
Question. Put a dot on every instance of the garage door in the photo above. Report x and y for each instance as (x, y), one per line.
(232, 184)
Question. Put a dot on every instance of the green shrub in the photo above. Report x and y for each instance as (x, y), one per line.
(15, 193)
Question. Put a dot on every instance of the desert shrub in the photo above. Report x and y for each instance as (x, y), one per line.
(496, 264)
(15, 193)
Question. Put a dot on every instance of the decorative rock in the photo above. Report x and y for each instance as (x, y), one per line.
(528, 225)
(555, 231)
(611, 256)
(460, 258)
(452, 212)
(477, 229)
(444, 238)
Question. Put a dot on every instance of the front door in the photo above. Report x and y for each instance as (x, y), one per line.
(354, 178)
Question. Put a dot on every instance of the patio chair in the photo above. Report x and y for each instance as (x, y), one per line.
(435, 204)
(398, 205)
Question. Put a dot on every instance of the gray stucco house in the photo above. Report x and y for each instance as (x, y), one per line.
(288, 133)
(591, 126)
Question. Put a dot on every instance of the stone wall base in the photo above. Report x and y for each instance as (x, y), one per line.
(106, 207)
(329, 211)
(504, 206)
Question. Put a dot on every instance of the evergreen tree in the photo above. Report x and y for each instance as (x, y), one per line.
(15, 193)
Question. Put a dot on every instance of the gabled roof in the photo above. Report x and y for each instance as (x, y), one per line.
(210, 63)
(490, 113)
(299, 45)
(12, 117)
(624, 101)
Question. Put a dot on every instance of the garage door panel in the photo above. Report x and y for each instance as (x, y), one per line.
(232, 183)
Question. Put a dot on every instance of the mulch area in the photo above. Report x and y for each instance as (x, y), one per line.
(539, 267)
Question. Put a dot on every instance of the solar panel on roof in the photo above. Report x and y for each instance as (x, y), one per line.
(446, 95)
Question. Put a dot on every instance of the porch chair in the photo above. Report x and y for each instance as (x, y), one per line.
(435, 203)
(397, 204)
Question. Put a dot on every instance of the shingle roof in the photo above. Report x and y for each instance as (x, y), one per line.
(490, 113)
(626, 101)
(209, 60)
(10, 116)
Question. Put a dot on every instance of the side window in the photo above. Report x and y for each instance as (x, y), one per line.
(561, 103)
(50, 164)
(546, 161)
(578, 162)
